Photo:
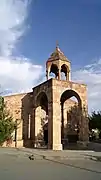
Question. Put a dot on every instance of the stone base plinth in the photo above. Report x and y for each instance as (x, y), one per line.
(57, 147)
(19, 144)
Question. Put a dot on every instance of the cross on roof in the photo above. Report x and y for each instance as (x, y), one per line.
(57, 44)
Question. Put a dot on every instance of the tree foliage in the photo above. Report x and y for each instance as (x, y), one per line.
(7, 124)
(95, 120)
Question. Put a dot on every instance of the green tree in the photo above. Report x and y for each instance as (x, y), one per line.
(7, 125)
(95, 120)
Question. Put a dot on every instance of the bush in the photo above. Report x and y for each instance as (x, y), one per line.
(95, 120)
(7, 125)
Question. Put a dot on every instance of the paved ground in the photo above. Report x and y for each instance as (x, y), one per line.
(66, 154)
(15, 165)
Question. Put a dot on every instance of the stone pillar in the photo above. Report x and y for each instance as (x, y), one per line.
(19, 134)
(32, 133)
(56, 126)
(62, 121)
(67, 76)
(47, 74)
(19, 130)
(83, 126)
(37, 125)
(50, 129)
(59, 74)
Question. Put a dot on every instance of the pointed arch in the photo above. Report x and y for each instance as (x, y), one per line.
(68, 94)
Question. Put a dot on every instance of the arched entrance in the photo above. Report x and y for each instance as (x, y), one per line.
(41, 121)
(70, 117)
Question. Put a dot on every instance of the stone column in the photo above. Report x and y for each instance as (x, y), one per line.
(55, 121)
(83, 126)
(32, 133)
(62, 121)
(19, 134)
(37, 125)
(19, 130)
(56, 126)
(67, 76)
(59, 74)
(47, 74)
(50, 129)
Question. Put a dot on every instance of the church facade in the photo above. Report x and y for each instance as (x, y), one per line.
(48, 116)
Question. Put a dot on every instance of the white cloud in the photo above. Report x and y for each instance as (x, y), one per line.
(91, 75)
(13, 14)
(17, 74)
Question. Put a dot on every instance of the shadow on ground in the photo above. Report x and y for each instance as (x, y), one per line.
(74, 166)
(94, 158)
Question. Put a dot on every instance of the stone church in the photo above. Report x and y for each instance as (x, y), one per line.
(47, 116)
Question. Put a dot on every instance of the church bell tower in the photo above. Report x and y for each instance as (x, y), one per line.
(58, 64)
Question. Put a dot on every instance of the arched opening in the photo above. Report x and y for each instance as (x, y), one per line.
(42, 119)
(54, 71)
(70, 117)
(42, 101)
(64, 72)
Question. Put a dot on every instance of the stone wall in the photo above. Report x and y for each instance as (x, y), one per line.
(14, 104)
(19, 107)
(80, 91)
(45, 88)
(25, 108)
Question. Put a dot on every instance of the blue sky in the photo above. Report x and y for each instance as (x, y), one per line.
(28, 34)
(75, 24)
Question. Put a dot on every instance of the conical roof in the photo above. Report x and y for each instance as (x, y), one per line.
(58, 55)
